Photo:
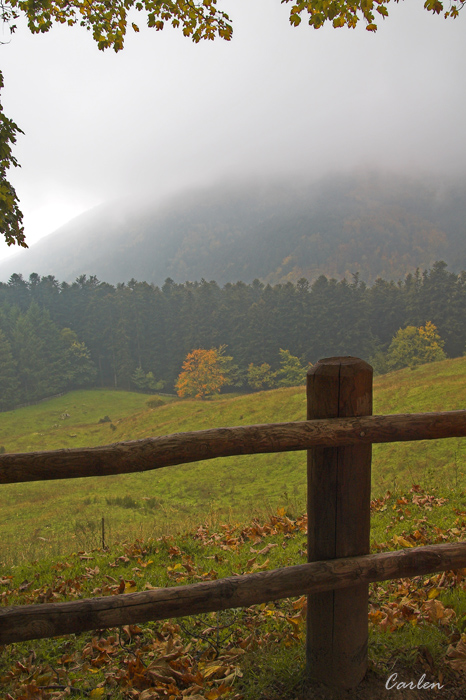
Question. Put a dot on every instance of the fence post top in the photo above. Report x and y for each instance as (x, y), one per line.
(332, 363)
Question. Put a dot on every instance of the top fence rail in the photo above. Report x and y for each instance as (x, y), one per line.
(179, 448)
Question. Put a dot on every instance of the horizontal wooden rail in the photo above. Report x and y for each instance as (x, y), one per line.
(179, 448)
(24, 622)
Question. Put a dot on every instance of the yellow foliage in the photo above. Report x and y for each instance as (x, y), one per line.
(202, 374)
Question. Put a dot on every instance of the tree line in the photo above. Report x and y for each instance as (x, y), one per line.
(55, 336)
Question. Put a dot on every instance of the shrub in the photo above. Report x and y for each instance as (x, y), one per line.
(154, 402)
(122, 501)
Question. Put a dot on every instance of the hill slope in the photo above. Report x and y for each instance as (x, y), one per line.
(228, 488)
(372, 223)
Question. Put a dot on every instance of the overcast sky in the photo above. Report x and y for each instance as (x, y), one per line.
(165, 113)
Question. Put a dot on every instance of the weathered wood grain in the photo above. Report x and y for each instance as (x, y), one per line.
(21, 623)
(179, 448)
(338, 511)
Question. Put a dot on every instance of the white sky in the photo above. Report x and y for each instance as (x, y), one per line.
(165, 113)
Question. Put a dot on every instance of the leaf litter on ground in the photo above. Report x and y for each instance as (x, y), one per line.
(206, 657)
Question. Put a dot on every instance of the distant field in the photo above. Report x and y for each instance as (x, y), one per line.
(50, 517)
(44, 426)
(440, 386)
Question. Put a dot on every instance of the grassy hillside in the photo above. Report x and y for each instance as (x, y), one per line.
(440, 386)
(51, 517)
(417, 626)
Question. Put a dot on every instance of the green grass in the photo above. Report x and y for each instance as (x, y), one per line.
(44, 427)
(440, 386)
(54, 517)
(168, 527)
(43, 518)
(260, 649)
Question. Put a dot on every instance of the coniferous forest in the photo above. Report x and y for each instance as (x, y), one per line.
(56, 336)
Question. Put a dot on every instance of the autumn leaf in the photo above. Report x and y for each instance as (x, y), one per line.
(437, 613)
(176, 567)
(402, 541)
(149, 694)
(456, 656)
(296, 620)
(258, 567)
(97, 693)
(300, 603)
(149, 587)
(267, 548)
(376, 616)
(217, 692)
(214, 671)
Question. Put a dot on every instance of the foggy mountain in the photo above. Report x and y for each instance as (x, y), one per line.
(374, 224)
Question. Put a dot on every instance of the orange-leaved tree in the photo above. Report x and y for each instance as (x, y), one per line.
(204, 372)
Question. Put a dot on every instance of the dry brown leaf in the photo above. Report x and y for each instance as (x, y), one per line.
(214, 671)
(267, 548)
(149, 694)
(456, 656)
(437, 613)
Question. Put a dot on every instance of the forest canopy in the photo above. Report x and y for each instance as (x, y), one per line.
(108, 21)
(55, 336)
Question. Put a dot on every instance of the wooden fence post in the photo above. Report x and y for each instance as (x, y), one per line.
(339, 487)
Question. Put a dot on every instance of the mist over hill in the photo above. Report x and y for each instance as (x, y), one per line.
(374, 224)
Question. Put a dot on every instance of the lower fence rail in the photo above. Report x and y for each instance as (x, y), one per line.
(24, 622)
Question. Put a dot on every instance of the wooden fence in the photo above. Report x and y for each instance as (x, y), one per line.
(338, 436)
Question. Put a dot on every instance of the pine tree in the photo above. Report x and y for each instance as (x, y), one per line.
(80, 371)
(40, 352)
(9, 384)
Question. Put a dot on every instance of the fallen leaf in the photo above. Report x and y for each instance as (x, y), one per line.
(457, 655)
(267, 548)
(97, 693)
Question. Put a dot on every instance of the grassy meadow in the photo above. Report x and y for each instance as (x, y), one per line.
(416, 626)
(42, 518)
(211, 519)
